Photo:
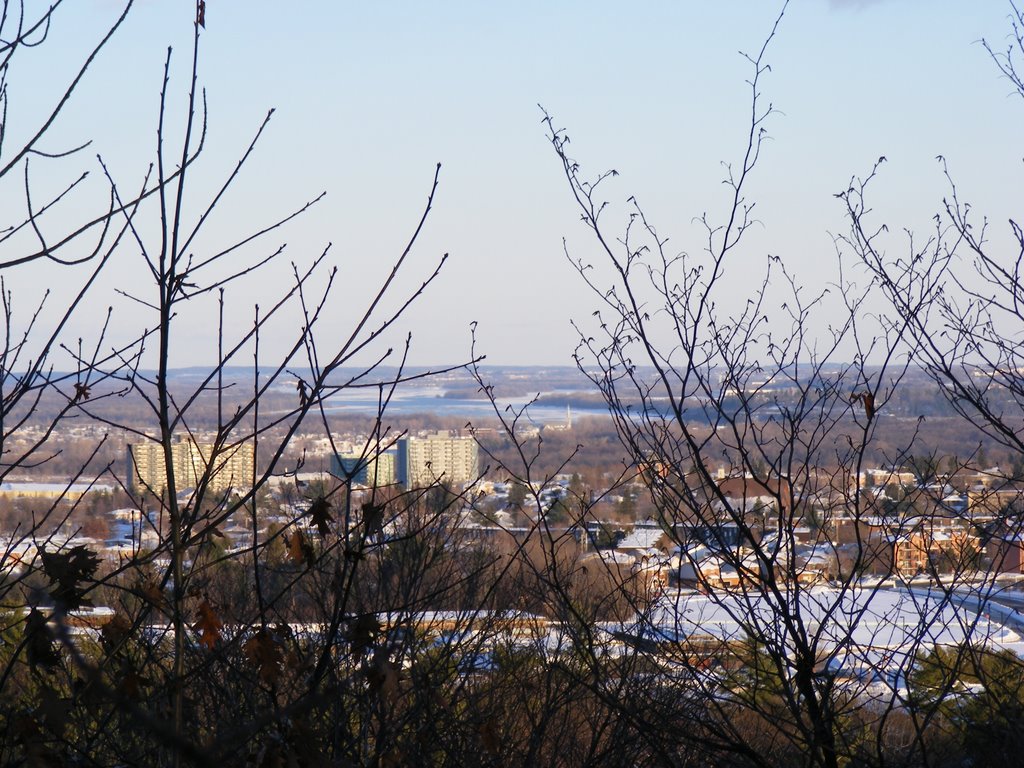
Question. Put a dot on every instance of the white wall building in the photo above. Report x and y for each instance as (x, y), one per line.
(191, 462)
(439, 457)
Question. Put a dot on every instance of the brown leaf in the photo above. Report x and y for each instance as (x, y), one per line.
(150, 592)
(382, 675)
(66, 571)
(489, 738)
(297, 663)
(362, 632)
(115, 630)
(373, 518)
(89, 690)
(53, 710)
(39, 641)
(130, 685)
(208, 625)
(264, 650)
(867, 399)
(299, 549)
(320, 514)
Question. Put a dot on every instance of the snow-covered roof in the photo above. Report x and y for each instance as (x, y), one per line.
(641, 538)
(881, 627)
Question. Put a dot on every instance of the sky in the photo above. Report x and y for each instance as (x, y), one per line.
(369, 97)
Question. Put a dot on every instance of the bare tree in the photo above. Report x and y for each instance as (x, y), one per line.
(957, 292)
(751, 426)
(959, 296)
(291, 643)
(33, 334)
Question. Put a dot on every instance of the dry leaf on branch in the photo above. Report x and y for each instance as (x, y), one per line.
(382, 675)
(130, 685)
(39, 648)
(150, 592)
(362, 632)
(490, 739)
(869, 405)
(208, 625)
(373, 518)
(300, 550)
(53, 710)
(320, 514)
(264, 650)
(867, 399)
(115, 631)
(70, 573)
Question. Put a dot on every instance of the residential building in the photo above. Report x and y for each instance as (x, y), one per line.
(438, 457)
(369, 469)
(192, 462)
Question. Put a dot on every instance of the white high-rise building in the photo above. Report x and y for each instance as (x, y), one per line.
(439, 457)
(191, 462)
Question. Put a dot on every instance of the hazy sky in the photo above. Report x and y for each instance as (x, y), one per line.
(369, 96)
